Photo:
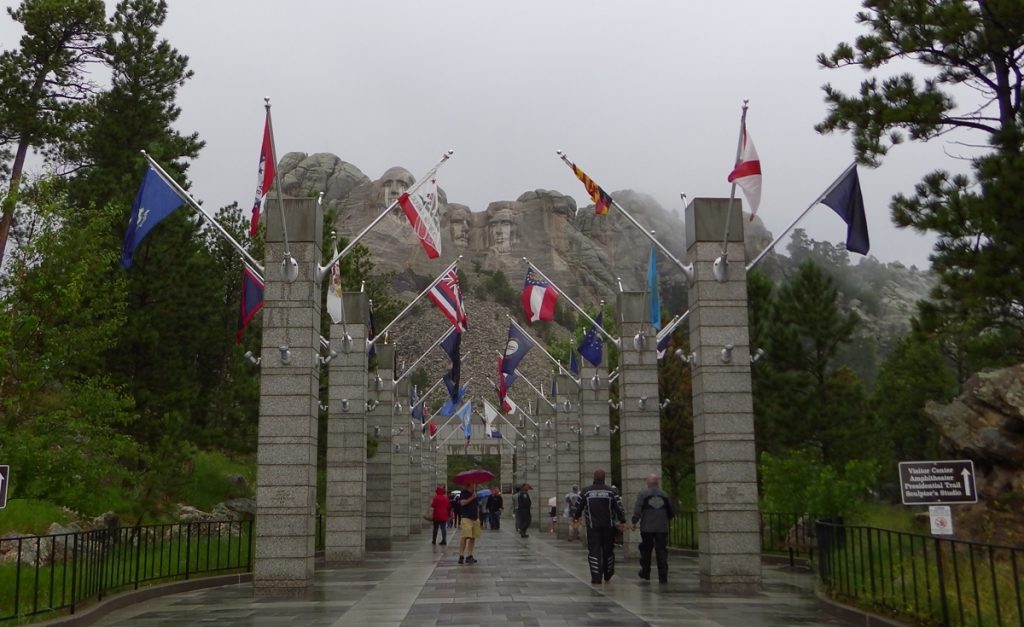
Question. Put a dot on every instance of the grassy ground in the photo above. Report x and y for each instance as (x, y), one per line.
(28, 516)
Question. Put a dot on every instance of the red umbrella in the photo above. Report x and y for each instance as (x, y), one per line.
(477, 475)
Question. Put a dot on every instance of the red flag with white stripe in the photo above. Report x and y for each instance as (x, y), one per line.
(421, 208)
(538, 297)
(264, 178)
(747, 173)
(448, 297)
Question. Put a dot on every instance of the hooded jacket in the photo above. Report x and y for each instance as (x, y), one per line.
(441, 505)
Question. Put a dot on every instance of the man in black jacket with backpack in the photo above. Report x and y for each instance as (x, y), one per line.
(602, 508)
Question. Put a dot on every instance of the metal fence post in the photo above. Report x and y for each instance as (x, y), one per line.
(188, 547)
(942, 582)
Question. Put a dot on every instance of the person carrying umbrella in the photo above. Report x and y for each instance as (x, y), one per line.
(470, 527)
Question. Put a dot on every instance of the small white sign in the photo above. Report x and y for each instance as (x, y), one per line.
(941, 519)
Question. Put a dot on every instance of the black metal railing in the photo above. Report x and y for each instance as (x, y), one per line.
(929, 579)
(781, 534)
(60, 572)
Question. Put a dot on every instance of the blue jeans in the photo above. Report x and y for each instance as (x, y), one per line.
(443, 526)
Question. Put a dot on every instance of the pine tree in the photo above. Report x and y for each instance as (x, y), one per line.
(979, 219)
(43, 82)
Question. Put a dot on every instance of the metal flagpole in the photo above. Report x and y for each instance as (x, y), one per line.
(355, 240)
(817, 200)
(290, 268)
(519, 407)
(372, 341)
(537, 344)
(482, 417)
(732, 192)
(530, 264)
(686, 268)
(440, 339)
(434, 387)
(191, 202)
(671, 326)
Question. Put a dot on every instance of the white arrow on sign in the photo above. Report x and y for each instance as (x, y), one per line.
(967, 481)
(1, 483)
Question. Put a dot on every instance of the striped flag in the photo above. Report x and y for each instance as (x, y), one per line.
(264, 177)
(538, 297)
(448, 297)
(747, 173)
(423, 213)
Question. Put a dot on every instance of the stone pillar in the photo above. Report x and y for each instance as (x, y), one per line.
(345, 536)
(286, 455)
(400, 462)
(723, 414)
(379, 495)
(567, 444)
(547, 486)
(596, 439)
(640, 419)
(416, 475)
(507, 453)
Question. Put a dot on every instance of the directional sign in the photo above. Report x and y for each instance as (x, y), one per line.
(5, 473)
(948, 481)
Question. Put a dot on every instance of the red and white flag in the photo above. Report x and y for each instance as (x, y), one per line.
(447, 296)
(424, 214)
(747, 173)
(264, 178)
(538, 297)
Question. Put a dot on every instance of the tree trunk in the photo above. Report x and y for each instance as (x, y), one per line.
(12, 195)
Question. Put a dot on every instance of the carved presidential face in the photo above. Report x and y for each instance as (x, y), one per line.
(458, 225)
(393, 184)
(501, 228)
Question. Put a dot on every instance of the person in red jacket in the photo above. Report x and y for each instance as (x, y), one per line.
(442, 509)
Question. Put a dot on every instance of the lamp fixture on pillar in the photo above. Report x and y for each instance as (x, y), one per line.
(613, 404)
(614, 429)
(568, 446)
(642, 402)
(758, 354)
(327, 360)
(721, 268)
(548, 457)
(371, 405)
(286, 354)
(618, 280)
(597, 429)
(727, 354)
(595, 382)
(567, 406)
(253, 358)
(665, 403)
(344, 405)
(323, 406)
(346, 343)
(547, 425)
(398, 447)
(398, 406)
(640, 341)
(376, 431)
(378, 383)
(690, 358)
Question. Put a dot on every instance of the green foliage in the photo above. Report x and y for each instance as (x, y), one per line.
(801, 481)
(495, 287)
(30, 516)
(206, 479)
(976, 314)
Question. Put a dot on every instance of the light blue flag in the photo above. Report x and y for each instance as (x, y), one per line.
(465, 415)
(154, 202)
(652, 287)
(450, 404)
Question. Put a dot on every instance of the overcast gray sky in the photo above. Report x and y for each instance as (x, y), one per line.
(643, 95)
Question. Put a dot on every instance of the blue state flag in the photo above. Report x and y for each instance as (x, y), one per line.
(154, 202)
(590, 347)
(846, 200)
(663, 346)
(465, 416)
(574, 364)
(516, 347)
(451, 403)
(652, 287)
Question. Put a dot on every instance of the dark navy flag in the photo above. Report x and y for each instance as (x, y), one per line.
(451, 346)
(516, 347)
(154, 202)
(590, 347)
(252, 301)
(846, 200)
(415, 406)
(663, 346)
(574, 364)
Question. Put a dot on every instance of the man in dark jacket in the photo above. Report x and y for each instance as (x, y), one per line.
(523, 515)
(603, 512)
(495, 506)
(654, 510)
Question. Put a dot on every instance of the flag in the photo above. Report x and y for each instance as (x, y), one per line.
(652, 287)
(846, 200)
(590, 347)
(451, 346)
(252, 301)
(264, 177)
(415, 406)
(423, 213)
(747, 173)
(538, 297)
(447, 296)
(432, 427)
(465, 416)
(334, 294)
(489, 415)
(554, 387)
(509, 406)
(574, 364)
(516, 347)
(602, 201)
(371, 332)
(154, 202)
(663, 346)
(452, 402)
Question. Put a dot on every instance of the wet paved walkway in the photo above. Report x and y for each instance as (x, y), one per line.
(533, 581)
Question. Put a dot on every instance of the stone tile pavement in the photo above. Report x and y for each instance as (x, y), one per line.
(533, 581)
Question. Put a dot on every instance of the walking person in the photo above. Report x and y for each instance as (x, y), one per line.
(654, 510)
(456, 509)
(470, 526)
(523, 516)
(602, 510)
(495, 506)
(442, 510)
(572, 498)
(553, 513)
